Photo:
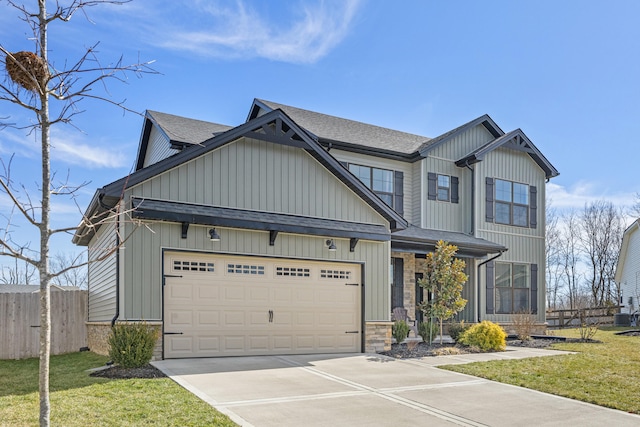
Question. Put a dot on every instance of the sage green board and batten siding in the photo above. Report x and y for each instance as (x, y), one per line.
(526, 245)
(445, 215)
(395, 165)
(441, 160)
(463, 144)
(142, 284)
(416, 197)
(159, 147)
(260, 176)
(102, 275)
(516, 166)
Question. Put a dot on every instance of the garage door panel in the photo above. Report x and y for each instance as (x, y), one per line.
(226, 312)
(208, 318)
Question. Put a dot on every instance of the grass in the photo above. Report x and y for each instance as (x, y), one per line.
(606, 374)
(80, 400)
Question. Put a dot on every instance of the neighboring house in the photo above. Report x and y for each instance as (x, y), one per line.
(299, 232)
(628, 268)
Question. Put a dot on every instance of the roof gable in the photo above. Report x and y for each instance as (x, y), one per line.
(483, 120)
(178, 131)
(275, 127)
(347, 134)
(515, 140)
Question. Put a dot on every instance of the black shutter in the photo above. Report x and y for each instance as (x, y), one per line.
(454, 189)
(398, 194)
(488, 215)
(490, 288)
(397, 287)
(534, 288)
(533, 207)
(432, 186)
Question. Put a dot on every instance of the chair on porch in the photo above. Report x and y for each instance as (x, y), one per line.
(400, 313)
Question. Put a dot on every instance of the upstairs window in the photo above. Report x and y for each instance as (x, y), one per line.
(512, 203)
(444, 188)
(378, 180)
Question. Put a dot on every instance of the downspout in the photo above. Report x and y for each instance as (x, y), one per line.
(479, 308)
(117, 314)
(473, 198)
(108, 208)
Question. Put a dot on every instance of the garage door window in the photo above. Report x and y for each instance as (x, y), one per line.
(335, 274)
(207, 267)
(245, 269)
(292, 272)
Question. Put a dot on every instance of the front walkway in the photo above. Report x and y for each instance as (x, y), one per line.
(374, 390)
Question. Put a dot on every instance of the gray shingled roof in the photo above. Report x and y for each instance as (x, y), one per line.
(182, 129)
(333, 128)
(467, 244)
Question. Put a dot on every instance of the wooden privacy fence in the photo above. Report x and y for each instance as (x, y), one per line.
(571, 318)
(20, 323)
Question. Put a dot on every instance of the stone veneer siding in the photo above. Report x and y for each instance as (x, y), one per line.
(98, 338)
(377, 336)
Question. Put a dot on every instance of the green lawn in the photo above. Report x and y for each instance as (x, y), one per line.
(80, 400)
(607, 374)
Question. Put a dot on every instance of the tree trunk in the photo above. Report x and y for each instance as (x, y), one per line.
(43, 263)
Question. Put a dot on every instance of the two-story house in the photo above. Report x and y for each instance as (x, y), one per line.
(299, 232)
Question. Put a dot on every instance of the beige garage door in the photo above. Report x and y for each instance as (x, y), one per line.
(216, 305)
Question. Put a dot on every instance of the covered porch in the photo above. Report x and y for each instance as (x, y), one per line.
(409, 248)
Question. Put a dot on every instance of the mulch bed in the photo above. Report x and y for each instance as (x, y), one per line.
(423, 349)
(117, 372)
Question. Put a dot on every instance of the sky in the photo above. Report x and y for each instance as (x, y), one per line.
(565, 72)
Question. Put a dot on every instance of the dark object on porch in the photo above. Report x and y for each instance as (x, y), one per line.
(400, 313)
(621, 319)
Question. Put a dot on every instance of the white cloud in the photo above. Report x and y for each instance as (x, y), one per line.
(240, 31)
(73, 151)
(584, 192)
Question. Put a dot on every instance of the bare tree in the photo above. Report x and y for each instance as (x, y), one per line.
(74, 276)
(553, 273)
(20, 273)
(36, 85)
(634, 210)
(602, 227)
(569, 257)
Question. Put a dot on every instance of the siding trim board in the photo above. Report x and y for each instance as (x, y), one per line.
(162, 210)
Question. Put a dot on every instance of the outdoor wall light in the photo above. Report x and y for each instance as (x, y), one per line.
(331, 244)
(213, 235)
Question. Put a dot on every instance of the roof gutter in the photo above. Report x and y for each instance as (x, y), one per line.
(479, 308)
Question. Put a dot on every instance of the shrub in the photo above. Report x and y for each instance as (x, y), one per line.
(428, 331)
(400, 330)
(456, 329)
(487, 336)
(131, 344)
(524, 324)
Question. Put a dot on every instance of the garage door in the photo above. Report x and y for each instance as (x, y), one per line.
(216, 305)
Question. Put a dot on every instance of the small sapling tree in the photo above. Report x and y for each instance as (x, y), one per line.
(443, 279)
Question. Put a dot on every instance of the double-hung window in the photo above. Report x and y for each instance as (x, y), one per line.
(512, 203)
(444, 188)
(512, 288)
(378, 180)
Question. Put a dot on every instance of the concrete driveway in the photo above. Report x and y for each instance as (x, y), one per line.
(373, 390)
